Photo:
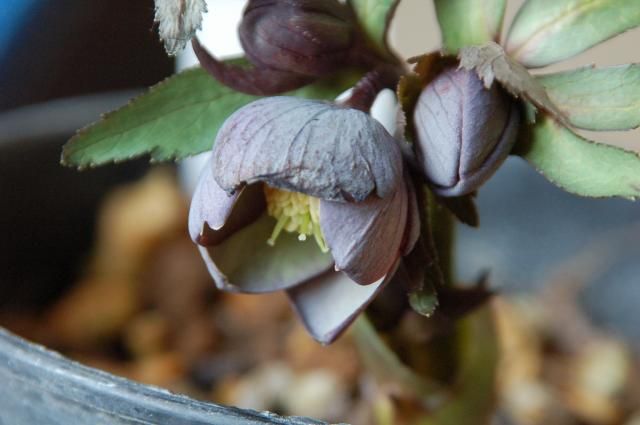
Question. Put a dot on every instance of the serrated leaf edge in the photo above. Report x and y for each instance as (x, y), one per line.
(105, 116)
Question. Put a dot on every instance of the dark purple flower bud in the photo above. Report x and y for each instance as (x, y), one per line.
(307, 37)
(463, 131)
(291, 43)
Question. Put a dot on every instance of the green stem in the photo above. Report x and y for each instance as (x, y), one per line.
(442, 350)
(389, 369)
(470, 349)
(443, 231)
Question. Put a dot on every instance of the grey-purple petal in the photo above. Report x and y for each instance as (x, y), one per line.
(244, 262)
(365, 238)
(464, 131)
(329, 303)
(210, 206)
(215, 215)
(306, 146)
(233, 233)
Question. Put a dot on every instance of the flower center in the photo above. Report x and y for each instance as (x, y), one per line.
(294, 212)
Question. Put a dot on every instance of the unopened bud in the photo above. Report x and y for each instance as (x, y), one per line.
(307, 37)
(464, 131)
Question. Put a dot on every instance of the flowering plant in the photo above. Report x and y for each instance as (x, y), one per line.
(313, 195)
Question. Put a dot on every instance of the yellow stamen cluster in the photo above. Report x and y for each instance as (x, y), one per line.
(294, 212)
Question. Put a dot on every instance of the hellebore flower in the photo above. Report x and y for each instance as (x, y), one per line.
(464, 131)
(308, 197)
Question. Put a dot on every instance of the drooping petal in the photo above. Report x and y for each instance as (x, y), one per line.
(331, 302)
(365, 238)
(214, 214)
(210, 206)
(233, 233)
(245, 262)
(313, 147)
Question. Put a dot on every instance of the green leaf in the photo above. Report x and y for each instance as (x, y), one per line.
(176, 118)
(173, 119)
(548, 31)
(469, 22)
(597, 99)
(491, 63)
(581, 166)
(374, 17)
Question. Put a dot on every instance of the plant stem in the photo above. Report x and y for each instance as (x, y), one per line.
(442, 349)
(443, 231)
(387, 367)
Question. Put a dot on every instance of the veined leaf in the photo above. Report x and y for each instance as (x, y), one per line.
(469, 22)
(582, 166)
(548, 31)
(374, 17)
(597, 99)
(173, 119)
(176, 118)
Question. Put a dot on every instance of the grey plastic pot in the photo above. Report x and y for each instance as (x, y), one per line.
(45, 222)
(42, 387)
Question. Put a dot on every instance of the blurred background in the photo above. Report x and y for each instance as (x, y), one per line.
(52, 50)
(569, 266)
